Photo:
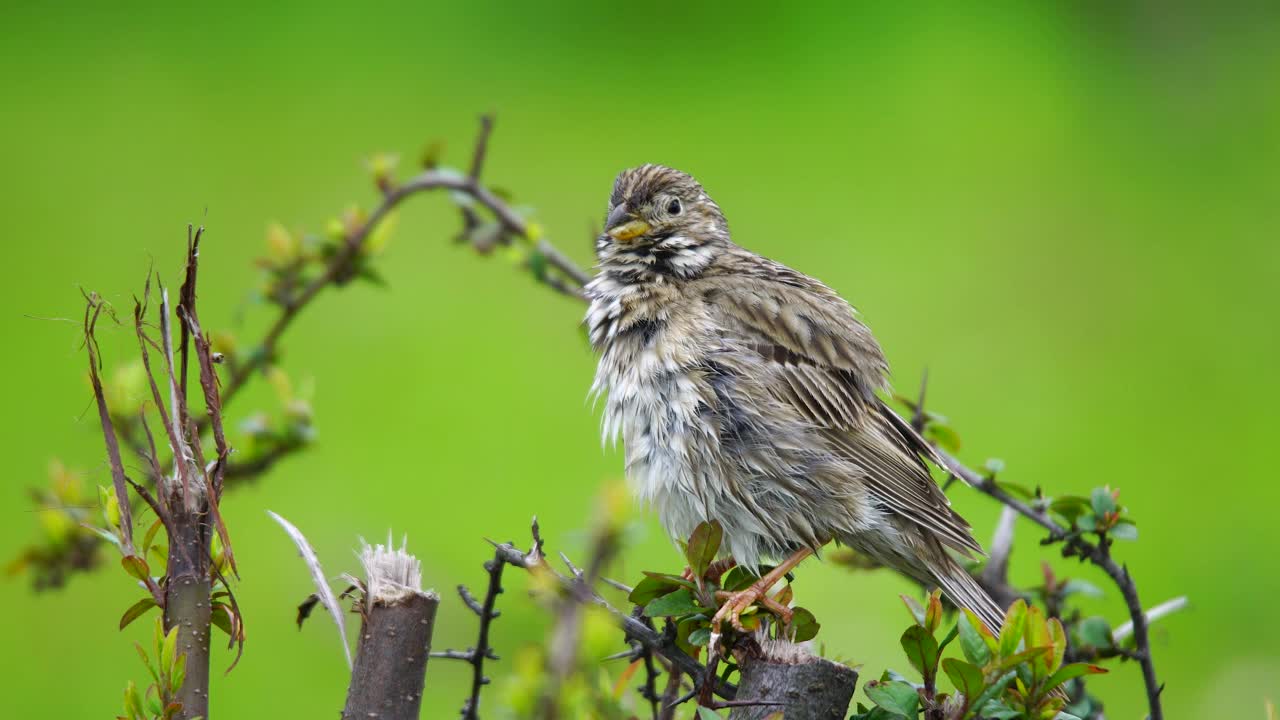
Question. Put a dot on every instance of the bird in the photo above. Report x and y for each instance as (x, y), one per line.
(748, 393)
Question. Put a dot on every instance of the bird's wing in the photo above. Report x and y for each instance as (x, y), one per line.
(822, 361)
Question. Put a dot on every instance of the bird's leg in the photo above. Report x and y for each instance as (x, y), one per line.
(715, 570)
(739, 601)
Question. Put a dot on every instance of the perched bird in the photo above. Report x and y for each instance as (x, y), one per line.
(745, 392)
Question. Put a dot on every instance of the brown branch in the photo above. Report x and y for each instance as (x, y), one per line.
(93, 308)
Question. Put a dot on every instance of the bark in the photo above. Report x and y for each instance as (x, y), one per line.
(786, 678)
(391, 659)
(395, 637)
(187, 608)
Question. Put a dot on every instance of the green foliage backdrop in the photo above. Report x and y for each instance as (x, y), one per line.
(1066, 212)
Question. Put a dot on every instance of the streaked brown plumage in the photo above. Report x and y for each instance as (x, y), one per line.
(745, 392)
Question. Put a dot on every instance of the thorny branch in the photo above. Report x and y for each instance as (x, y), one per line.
(567, 278)
(1075, 545)
(662, 643)
(482, 650)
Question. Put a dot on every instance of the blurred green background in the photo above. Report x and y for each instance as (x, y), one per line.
(1067, 212)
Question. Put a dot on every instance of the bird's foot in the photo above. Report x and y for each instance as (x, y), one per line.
(736, 603)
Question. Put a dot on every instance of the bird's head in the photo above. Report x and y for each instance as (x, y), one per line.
(660, 221)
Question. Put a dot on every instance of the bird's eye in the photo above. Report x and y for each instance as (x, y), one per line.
(673, 207)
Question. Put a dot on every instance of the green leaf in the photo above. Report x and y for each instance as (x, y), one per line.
(651, 588)
(933, 612)
(1080, 587)
(151, 536)
(1037, 635)
(996, 710)
(1071, 672)
(220, 617)
(676, 580)
(738, 578)
(706, 713)
(136, 611)
(993, 691)
(943, 436)
(703, 546)
(916, 610)
(875, 713)
(1069, 507)
(699, 637)
(1011, 662)
(955, 631)
(680, 602)
(178, 675)
(922, 651)
(1014, 623)
(895, 696)
(804, 626)
(1123, 531)
(133, 701)
(685, 628)
(966, 677)
(168, 650)
(1102, 501)
(538, 264)
(1094, 632)
(1059, 638)
(146, 662)
(972, 644)
(136, 567)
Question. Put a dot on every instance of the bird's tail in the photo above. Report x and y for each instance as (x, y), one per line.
(965, 592)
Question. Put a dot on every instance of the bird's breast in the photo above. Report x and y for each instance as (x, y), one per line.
(650, 374)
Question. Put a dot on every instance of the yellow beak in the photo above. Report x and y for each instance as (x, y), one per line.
(630, 230)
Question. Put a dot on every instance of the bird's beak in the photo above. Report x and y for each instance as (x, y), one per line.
(629, 230)
(625, 231)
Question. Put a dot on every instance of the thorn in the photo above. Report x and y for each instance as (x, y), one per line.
(917, 417)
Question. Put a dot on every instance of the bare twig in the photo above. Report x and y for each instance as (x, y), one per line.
(323, 592)
(1168, 607)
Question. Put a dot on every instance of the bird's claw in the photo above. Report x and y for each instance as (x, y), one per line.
(739, 602)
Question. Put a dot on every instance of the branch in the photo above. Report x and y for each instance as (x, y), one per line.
(482, 650)
(395, 637)
(663, 644)
(92, 310)
(783, 676)
(1099, 555)
(338, 265)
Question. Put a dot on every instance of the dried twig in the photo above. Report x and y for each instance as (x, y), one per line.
(323, 592)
